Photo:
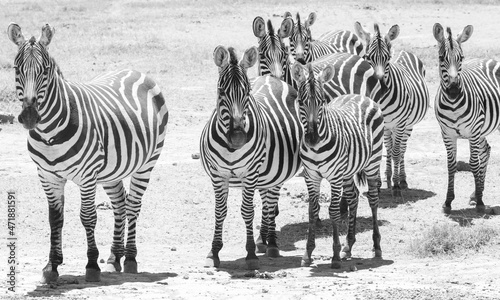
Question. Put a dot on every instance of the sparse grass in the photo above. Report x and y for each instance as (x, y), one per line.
(452, 239)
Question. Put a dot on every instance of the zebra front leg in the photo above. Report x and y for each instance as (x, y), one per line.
(247, 212)
(373, 199)
(479, 157)
(451, 159)
(388, 140)
(268, 228)
(402, 172)
(54, 190)
(117, 195)
(334, 211)
(221, 189)
(313, 189)
(397, 140)
(88, 217)
(350, 194)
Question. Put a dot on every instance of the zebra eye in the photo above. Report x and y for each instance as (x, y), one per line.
(16, 69)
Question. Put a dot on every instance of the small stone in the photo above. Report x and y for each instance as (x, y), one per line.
(250, 274)
(353, 268)
(210, 273)
(265, 291)
(174, 164)
(173, 249)
(195, 155)
(186, 276)
(306, 286)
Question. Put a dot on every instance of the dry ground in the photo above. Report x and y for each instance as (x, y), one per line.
(173, 41)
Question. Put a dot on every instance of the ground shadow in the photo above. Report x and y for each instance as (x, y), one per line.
(387, 200)
(67, 283)
(292, 233)
(465, 216)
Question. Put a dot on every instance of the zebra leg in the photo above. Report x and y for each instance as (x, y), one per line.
(268, 236)
(388, 147)
(88, 216)
(350, 194)
(402, 172)
(54, 191)
(373, 199)
(398, 137)
(221, 189)
(451, 157)
(313, 189)
(138, 185)
(334, 210)
(117, 195)
(479, 157)
(247, 212)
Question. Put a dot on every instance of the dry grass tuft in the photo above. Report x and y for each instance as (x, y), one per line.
(452, 239)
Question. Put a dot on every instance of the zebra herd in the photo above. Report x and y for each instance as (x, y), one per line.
(325, 105)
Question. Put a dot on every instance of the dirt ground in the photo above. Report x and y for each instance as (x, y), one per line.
(175, 227)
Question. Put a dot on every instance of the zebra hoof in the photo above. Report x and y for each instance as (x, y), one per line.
(396, 192)
(480, 209)
(403, 185)
(306, 262)
(377, 254)
(261, 248)
(252, 264)
(336, 264)
(273, 252)
(130, 266)
(446, 209)
(92, 275)
(49, 276)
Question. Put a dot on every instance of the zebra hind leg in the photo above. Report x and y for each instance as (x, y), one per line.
(261, 241)
(270, 197)
(402, 172)
(350, 195)
(479, 165)
(117, 195)
(88, 216)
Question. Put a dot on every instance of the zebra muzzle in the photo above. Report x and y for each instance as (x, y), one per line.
(311, 138)
(236, 138)
(29, 117)
(453, 90)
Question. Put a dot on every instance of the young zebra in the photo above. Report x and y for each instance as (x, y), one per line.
(467, 106)
(251, 141)
(342, 139)
(404, 98)
(303, 47)
(99, 132)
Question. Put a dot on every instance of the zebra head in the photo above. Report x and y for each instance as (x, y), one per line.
(233, 93)
(273, 54)
(311, 99)
(299, 34)
(34, 68)
(378, 48)
(451, 58)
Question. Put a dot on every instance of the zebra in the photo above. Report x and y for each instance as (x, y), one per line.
(303, 47)
(251, 141)
(90, 133)
(404, 98)
(342, 139)
(467, 106)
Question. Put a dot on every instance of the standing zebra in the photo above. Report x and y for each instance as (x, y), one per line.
(342, 139)
(99, 132)
(404, 97)
(467, 106)
(251, 141)
(303, 47)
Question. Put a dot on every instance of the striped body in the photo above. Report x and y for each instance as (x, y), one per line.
(467, 106)
(342, 140)
(404, 98)
(251, 141)
(98, 132)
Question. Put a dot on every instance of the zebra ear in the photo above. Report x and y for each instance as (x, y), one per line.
(221, 56)
(299, 72)
(393, 33)
(465, 34)
(438, 32)
(47, 34)
(286, 28)
(327, 74)
(249, 58)
(311, 19)
(360, 31)
(15, 34)
(259, 27)
(287, 14)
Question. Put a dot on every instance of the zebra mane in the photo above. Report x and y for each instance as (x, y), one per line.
(450, 37)
(233, 58)
(270, 30)
(377, 35)
(32, 40)
(56, 67)
(299, 26)
(312, 80)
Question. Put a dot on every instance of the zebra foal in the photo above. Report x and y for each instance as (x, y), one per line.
(252, 142)
(342, 140)
(90, 133)
(467, 107)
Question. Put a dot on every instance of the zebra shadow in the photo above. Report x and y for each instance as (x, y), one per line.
(387, 200)
(464, 217)
(67, 283)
